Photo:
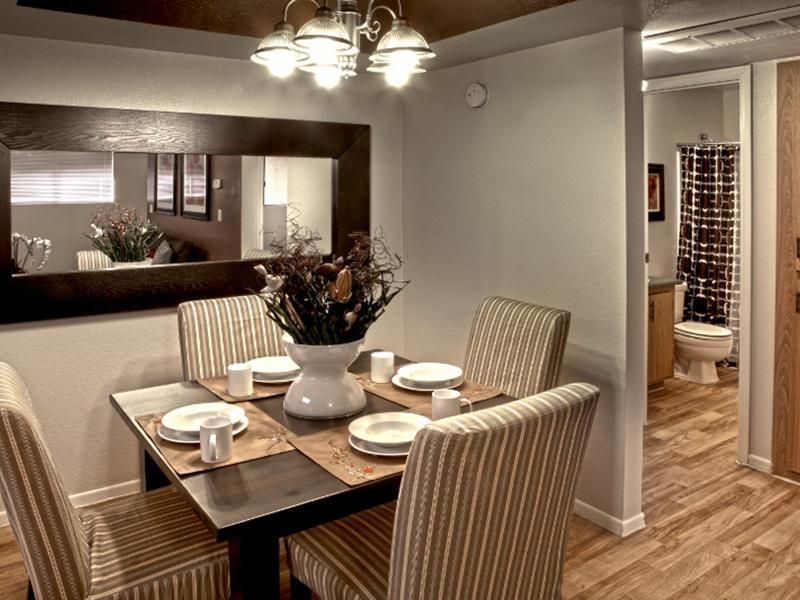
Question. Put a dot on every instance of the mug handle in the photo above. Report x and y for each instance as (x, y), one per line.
(462, 399)
(212, 446)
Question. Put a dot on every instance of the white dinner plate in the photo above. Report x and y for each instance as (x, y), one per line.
(378, 450)
(191, 438)
(272, 368)
(398, 381)
(430, 375)
(275, 381)
(187, 419)
(390, 429)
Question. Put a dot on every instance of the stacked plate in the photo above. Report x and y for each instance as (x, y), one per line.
(428, 377)
(274, 369)
(182, 425)
(386, 434)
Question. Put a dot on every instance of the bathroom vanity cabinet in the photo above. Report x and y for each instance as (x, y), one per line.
(660, 337)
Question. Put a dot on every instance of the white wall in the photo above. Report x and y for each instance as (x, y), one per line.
(72, 365)
(527, 197)
(765, 219)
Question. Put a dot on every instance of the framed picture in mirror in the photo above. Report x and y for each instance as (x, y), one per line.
(194, 198)
(166, 184)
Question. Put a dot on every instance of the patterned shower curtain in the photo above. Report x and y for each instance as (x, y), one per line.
(708, 239)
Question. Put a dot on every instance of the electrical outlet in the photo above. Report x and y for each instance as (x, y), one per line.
(219, 215)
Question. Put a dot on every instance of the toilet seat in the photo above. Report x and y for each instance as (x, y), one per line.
(702, 331)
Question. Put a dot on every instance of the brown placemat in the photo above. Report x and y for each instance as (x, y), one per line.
(331, 451)
(263, 437)
(219, 387)
(473, 392)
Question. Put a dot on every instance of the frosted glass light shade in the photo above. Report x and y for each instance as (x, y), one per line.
(401, 38)
(323, 32)
(276, 52)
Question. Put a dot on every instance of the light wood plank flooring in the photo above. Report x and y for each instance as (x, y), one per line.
(714, 530)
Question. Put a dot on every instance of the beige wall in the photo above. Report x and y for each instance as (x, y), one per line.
(72, 365)
(528, 198)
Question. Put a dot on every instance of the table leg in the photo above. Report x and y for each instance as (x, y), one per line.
(256, 567)
(152, 476)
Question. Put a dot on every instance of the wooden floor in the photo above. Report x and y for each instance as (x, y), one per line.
(714, 530)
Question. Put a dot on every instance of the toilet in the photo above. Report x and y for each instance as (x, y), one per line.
(698, 346)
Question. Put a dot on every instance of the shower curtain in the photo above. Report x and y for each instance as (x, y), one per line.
(708, 238)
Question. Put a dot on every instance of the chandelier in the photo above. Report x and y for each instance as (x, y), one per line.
(328, 45)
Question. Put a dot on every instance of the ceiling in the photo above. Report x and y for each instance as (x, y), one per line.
(460, 31)
(436, 20)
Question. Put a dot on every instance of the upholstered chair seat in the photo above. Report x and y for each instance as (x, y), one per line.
(216, 333)
(516, 347)
(483, 511)
(142, 547)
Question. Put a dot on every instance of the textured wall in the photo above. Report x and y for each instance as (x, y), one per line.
(526, 197)
(72, 365)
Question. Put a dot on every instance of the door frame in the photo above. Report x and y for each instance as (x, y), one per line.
(743, 77)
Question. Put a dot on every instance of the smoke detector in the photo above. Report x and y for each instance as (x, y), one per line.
(741, 30)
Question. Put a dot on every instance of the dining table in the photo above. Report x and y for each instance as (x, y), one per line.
(252, 505)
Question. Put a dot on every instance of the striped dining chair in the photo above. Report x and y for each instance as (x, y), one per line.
(141, 546)
(483, 511)
(92, 260)
(516, 347)
(216, 333)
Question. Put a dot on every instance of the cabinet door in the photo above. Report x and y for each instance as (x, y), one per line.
(661, 344)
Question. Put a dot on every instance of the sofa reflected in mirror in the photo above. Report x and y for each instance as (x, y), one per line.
(112, 210)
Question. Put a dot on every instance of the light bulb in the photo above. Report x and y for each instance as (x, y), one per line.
(404, 59)
(396, 77)
(281, 63)
(322, 52)
(328, 77)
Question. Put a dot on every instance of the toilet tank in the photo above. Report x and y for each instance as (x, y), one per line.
(680, 295)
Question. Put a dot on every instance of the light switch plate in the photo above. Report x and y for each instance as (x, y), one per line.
(219, 215)
(216, 184)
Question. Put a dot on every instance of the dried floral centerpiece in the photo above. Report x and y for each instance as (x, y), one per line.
(326, 308)
(122, 235)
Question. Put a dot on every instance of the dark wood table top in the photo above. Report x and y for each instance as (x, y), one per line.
(278, 494)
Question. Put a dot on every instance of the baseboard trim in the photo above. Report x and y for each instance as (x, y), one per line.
(605, 520)
(759, 463)
(94, 496)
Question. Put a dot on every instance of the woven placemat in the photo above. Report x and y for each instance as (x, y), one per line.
(263, 437)
(219, 387)
(474, 392)
(331, 451)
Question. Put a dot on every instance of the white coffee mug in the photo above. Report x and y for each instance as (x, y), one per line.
(447, 403)
(240, 380)
(216, 439)
(382, 367)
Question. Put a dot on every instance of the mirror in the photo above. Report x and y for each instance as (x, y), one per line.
(199, 207)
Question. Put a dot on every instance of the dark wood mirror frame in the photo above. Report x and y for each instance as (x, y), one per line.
(78, 293)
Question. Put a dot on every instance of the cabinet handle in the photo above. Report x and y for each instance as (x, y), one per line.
(652, 311)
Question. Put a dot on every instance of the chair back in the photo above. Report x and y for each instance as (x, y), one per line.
(92, 260)
(486, 499)
(216, 333)
(47, 527)
(516, 346)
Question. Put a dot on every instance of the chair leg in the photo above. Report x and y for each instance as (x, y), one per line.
(299, 589)
(31, 595)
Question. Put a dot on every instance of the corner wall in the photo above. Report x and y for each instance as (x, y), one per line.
(529, 197)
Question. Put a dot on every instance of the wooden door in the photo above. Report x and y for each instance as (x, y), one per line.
(786, 413)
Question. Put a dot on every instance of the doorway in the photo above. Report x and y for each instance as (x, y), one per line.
(698, 156)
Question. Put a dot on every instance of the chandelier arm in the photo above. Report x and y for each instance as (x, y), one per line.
(290, 2)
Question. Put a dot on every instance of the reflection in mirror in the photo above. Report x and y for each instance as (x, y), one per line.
(233, 207)
(279, 189)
